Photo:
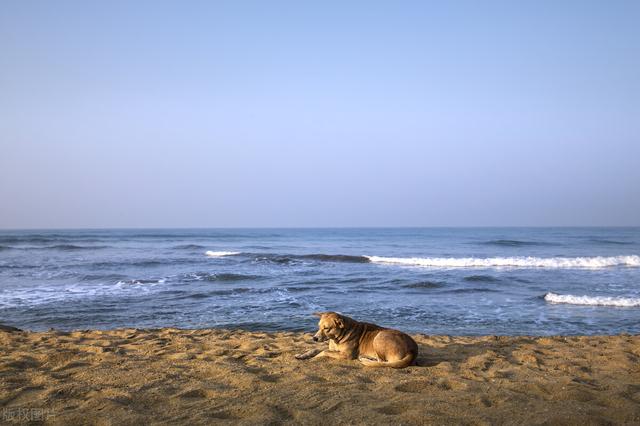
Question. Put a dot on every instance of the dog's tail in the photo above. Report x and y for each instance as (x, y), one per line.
(405, 361)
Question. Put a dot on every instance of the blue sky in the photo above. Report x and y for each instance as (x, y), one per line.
(214, 114)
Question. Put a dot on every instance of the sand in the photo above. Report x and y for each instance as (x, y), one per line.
(211, 376)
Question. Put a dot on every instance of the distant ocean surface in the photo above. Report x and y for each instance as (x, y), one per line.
(463, 281)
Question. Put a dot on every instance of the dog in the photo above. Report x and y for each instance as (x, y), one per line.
(372, 345)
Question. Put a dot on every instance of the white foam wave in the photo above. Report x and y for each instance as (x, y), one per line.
(221, 253)
(137, 282)
(34, 296)
(514, 262)
(628, 302)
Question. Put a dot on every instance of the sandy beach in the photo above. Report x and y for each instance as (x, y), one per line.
(172, 376)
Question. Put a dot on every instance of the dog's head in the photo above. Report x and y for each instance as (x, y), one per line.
(330, 326)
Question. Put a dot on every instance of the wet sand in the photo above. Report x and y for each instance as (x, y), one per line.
(171, 376)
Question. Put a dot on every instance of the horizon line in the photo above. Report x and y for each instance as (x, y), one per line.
(133, 228)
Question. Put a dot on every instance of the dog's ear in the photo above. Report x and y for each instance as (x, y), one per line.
(319, 314)
(339, 322)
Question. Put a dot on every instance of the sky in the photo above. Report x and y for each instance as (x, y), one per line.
(319, 114)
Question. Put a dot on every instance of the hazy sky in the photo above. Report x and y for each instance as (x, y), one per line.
(215, 114)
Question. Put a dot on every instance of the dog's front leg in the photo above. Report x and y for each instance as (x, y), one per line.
(334, 354)
(309, 354)
(317, 353)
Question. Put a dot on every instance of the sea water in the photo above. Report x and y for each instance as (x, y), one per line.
(464, 281)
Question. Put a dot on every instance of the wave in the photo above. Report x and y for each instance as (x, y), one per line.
(61, 247)
(211, 253)
(334, 258)
(27, 239)
(72, 247)
(143, 281)
(70, 293)
(297, 258)
(143, 263)
(627, 302)
(18, 266)
(102, 277)
(289, 258)
(514, 262)
(189, 247)
(593, 262)
(470, 290)
(424, 284)
(353, 280)
(512, 243)
(610, 242)
(204, 276)
(482, 278)
(51, 239)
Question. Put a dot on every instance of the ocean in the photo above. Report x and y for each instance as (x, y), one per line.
(461, 281)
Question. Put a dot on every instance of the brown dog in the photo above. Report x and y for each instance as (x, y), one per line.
(372, 345)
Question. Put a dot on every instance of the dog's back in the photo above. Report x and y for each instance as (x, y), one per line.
(391, 348)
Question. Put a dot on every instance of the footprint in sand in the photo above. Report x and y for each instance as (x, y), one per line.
(455, 385)
(313, 378)
(70, 366)
(485, 401)
(269, 378)
(413, 387)
(390, 410)
(197, 393)
(23, 395)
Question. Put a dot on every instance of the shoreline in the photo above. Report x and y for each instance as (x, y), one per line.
(233, 376)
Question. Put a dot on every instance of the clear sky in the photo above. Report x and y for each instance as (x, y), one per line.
(216, 114)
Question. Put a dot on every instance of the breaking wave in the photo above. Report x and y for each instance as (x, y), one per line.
(211, 253)
(513, 262)
(335, 258)
(592, 262)
(289, 258)
(205, 276)
(142, 281)
(627, 302)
